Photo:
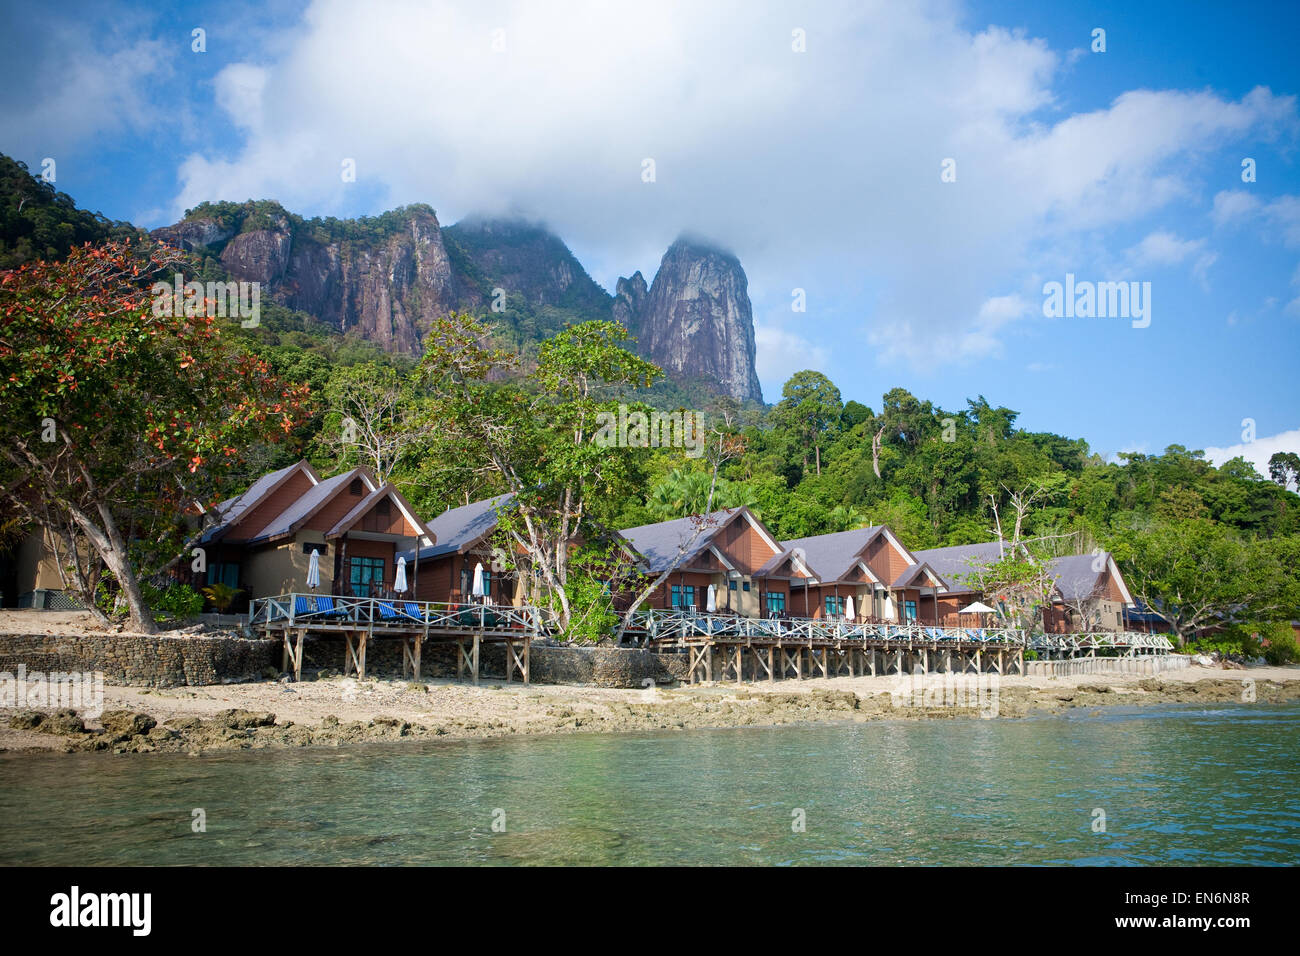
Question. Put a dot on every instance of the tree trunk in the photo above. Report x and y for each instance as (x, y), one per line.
(115, 556)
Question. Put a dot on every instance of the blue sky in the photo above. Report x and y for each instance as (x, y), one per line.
(819, 167)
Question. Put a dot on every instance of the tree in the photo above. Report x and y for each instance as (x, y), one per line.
(809, 407)
(539, 440)
(372, 417)
(1195, 575)
(117, 419)
(1284, 468)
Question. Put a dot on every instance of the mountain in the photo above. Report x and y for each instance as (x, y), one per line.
(39, 222)
(385, 279)
(695, 320)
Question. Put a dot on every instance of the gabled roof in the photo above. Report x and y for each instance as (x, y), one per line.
(956, 564)
(661, 544)
(459, 529)
(230, 511)
(387, 490)
(829, 557)
(294, 516)
(922, 569)
(1078, 577)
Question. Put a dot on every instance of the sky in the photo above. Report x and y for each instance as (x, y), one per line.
(917, 175)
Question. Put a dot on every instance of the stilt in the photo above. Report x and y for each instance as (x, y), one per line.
(478, 642)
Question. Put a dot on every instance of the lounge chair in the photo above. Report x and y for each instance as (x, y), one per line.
(391, 611)
(316, 605)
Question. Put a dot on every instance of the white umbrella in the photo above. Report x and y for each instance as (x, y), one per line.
(977, 608)
(478, 590)
(848, 609)
(313, 570)
(711, 605)
(399, 577)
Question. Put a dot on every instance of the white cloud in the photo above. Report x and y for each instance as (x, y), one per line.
(781, 353)
(822, 165)
(1258, 451)
(1275, 219)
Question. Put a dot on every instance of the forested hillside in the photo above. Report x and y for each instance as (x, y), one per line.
(809, 464)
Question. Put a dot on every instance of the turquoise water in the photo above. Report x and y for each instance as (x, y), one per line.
(1177, 786)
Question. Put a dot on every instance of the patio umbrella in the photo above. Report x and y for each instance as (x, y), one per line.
(399, 577)
(711, 605)
(848, 609)
(478, 590)
(313, 570)
(977, 608)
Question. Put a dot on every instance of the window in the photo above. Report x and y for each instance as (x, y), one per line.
(731, 586)
(834, 606)
(309, 546)
(775, 602)
(356, 488)
(746, 586)
(467, 582)
(365, 573)
(384, 507)
(224, 572)
(683, 596)
(909, 610)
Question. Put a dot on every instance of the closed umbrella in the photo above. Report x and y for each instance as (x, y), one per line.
(399, 577)
(313, 570)
(478, 590)
(848, 609)
(711, 604)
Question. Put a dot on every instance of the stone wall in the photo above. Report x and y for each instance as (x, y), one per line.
(547, 664)
(159, 661)
(165, 661)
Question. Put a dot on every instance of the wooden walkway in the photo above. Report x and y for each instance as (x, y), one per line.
(722, 647)
(358, 621)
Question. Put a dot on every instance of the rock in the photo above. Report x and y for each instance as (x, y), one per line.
(239, 719)
(62, 722)
(185, 723)
(26, 720)
(1096, 688)
(695, 321)
(126, 723)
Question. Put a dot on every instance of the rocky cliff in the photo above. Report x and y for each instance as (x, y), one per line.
(388, 278)
(695, 320)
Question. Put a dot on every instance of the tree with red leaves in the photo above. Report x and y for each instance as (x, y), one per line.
(113, 412)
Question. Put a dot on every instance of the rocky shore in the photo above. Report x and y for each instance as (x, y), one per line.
(335, 711)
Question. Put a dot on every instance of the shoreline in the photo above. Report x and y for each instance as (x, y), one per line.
(336, 712)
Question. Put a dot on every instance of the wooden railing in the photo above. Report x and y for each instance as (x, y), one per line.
(372, 613)
(1101, 640)
(678, 626)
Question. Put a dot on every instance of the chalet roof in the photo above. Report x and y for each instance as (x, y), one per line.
(1078, 576)
(304, 507)
(457, 529)
(955, 564)
(231, 510)
(387, 490)
(831, 557)
(661, 543)
(909, 576)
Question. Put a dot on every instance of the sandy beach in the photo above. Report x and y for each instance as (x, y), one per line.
(342, 711)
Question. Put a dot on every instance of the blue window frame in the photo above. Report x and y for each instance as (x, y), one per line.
(683, 595)
(834, 605)
(775, 602)
(909, 610)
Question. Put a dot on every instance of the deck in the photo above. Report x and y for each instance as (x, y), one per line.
(733, 647)
(358, 621)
